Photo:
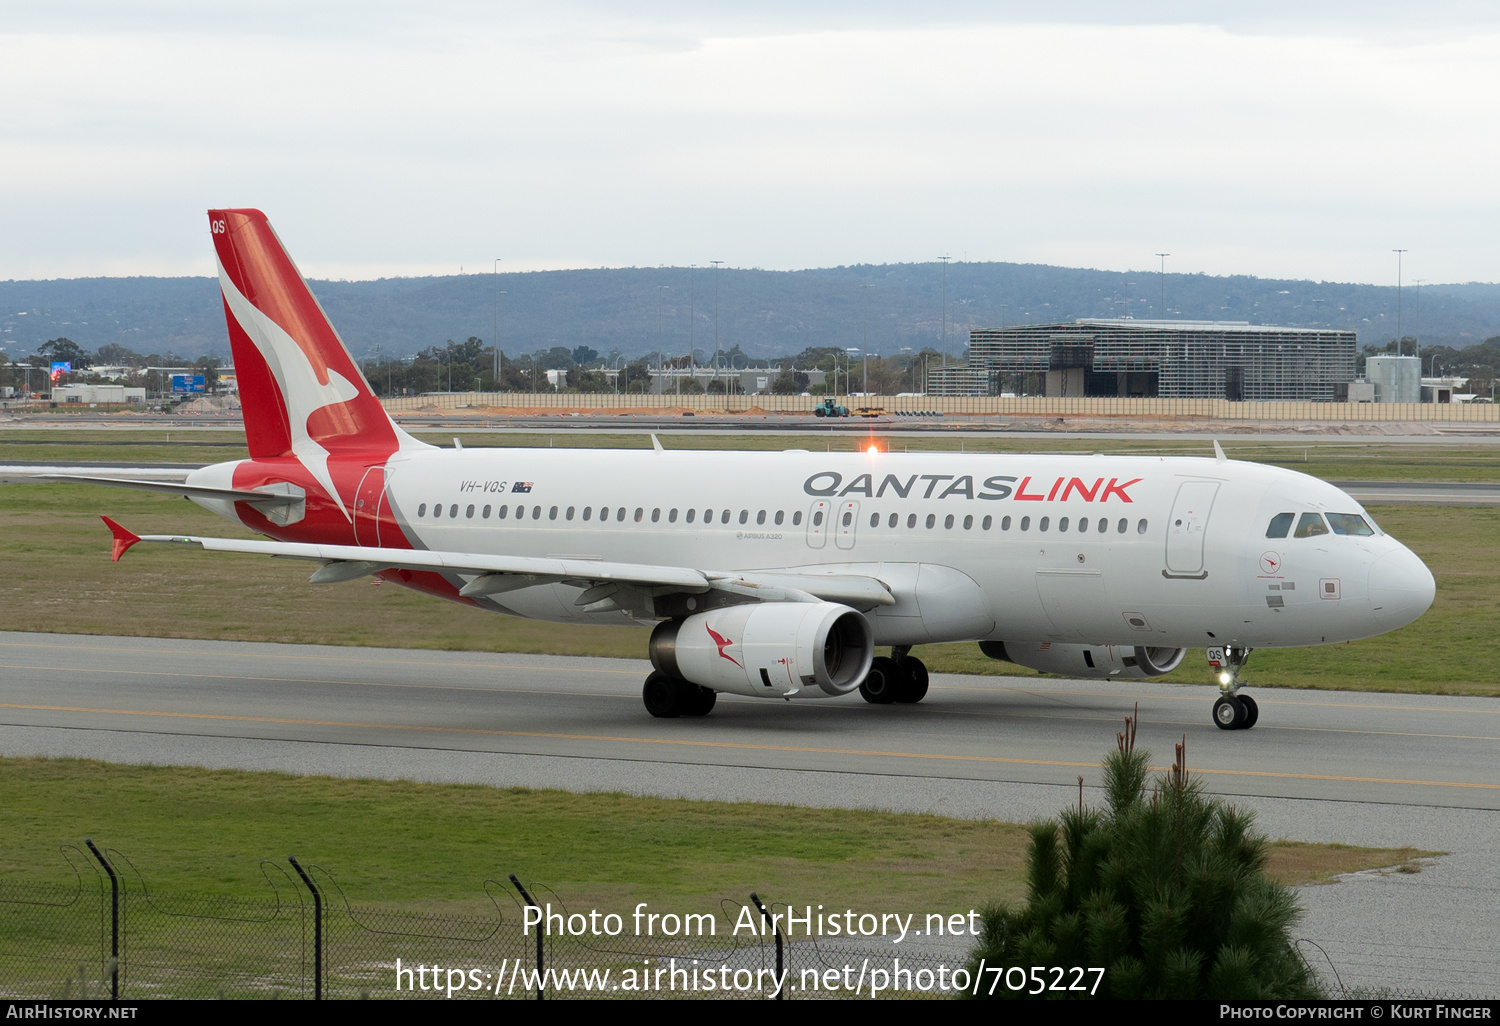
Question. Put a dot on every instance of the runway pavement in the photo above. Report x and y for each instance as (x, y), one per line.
(1330, 766)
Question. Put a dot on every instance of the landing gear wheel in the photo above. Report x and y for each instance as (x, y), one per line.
(913, 686)
(699, 700)
(1230, 713)
(1252, 711)
(882, 683)
(663, 697)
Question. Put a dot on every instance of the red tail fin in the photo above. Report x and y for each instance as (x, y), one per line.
(302, 393)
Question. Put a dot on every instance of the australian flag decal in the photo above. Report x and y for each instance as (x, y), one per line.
(521, 486)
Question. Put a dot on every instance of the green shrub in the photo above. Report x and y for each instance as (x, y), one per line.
(1165, 889)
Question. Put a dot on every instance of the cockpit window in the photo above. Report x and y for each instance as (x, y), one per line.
(1310, 526)
(1350, 523)
(1281, 523)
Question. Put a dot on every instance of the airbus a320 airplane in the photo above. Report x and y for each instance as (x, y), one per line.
(778, 575)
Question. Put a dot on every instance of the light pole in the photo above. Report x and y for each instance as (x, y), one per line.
(945, 309)
(1416, 333)
(692, 310)
(1003, 308)
(1398, 253)
(495, 327)
(660, 370)
(865, 350)
(1164, 284)
(716, 264)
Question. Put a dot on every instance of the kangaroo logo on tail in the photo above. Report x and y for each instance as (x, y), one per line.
(303, 395)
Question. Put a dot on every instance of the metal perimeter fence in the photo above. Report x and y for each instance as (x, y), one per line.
(901, 406)
(110, 936)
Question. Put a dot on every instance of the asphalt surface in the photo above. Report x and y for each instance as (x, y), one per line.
(1367, 769)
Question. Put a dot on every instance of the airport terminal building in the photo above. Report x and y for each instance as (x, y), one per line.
(1231, 360)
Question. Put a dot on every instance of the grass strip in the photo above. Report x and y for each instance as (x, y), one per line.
(429, 847)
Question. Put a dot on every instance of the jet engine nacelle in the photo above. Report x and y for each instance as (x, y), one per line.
(773, 649)
(1086, 660)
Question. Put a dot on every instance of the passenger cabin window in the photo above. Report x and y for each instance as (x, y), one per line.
(453, 510)
(1140, 527)
(501, 512)
(874, 519)
(569, 514)
(422, 510)
(797, 518)
(818, 519)
(780, 515)
(1310, 526)
(552, 513)
(672, 516)
(691, 514)
(724, 517)
(469, 513)
(655, 515)
(485, 513)
(1281, 523)
(987, 522)
(1350, 523)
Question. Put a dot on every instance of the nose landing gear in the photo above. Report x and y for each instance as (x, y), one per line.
(1232, 711)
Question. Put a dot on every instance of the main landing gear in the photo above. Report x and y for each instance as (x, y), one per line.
(668, 697)
(1232, 711)
(895, 678)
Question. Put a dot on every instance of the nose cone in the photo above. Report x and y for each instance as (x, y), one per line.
(1401, 588)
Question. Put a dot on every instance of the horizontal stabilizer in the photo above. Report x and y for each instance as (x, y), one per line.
(123, 539)
(177, 488)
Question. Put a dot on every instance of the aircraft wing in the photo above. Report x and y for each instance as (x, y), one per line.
(600, 580)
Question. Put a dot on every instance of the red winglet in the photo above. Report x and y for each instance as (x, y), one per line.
(123, 539)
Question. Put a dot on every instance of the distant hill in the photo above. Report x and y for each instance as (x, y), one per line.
(765, 313)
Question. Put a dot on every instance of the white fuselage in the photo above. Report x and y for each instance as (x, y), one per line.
(1102, 550)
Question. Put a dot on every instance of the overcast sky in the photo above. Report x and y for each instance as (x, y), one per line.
(1302, 140)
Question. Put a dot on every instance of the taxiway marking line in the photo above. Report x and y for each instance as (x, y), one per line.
(342, 659)
(504, 667)
(481, 690)
(744, 745)
(478, 690)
